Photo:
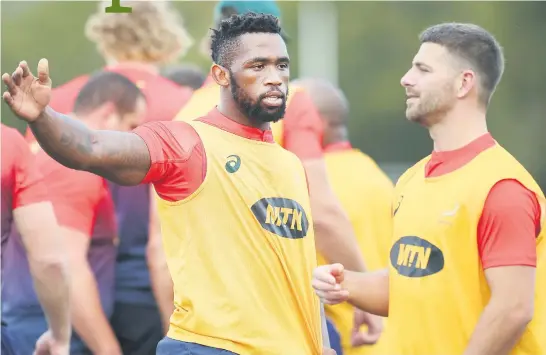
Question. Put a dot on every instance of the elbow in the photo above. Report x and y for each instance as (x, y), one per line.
(50, 267)
(328, 217)
(521, 314)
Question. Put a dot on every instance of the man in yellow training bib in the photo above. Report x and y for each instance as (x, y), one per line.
(234, 205)
(467, 261)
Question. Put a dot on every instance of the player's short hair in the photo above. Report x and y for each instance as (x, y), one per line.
(103, 87)
(475, 46)
(224, 39)
(153, 33)
(189, 75)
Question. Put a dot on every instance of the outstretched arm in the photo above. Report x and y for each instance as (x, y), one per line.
(121, 157)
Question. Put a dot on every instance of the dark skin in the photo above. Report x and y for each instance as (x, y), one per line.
(123, 157)
(260, 66)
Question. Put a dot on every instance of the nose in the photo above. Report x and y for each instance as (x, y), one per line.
(275, 77)
(406, 80)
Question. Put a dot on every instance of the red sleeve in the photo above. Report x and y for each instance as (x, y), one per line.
(178, 158)
(28, 184)
(303, 127)
(75, 194)
(509, 225)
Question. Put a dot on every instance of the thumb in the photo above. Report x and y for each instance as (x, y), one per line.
(43, 72)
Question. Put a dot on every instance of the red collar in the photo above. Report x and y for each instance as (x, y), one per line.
(441, 163)
(217, 119)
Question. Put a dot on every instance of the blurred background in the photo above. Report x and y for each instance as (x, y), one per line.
(365, 47)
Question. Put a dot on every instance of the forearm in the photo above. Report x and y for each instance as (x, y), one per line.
(334, 235)
(498, 330)
(369, 291)
(162, 285)
(48, 263)
(65, 139)
(121, 157)
(335, 238)
(88, 317)
(52, 288)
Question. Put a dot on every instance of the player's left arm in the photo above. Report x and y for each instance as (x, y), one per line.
(160, 277)
(507, 242)
(335, 238)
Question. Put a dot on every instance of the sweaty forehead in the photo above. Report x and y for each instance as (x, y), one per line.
(260, 45)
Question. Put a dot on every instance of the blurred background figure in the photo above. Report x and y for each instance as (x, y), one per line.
(85, 212)
(32, 248)
(136, 45)
(366, 193)
(185, 75)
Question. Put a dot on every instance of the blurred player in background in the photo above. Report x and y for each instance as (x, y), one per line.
(30, 231)
(85, 212)
(366, 193)
(136, 45)
(185, 75)
(234, 206)
(467, 262)
(300, 132)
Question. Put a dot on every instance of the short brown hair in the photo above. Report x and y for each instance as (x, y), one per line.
(153, 33)
(474, 45)
(103, 87)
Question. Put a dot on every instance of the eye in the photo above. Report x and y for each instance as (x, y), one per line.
(283, 66)
(258, 66)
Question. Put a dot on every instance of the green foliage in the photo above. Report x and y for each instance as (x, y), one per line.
(377, 41)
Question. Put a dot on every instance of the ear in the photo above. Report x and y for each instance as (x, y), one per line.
(220, 75)
(467, 82)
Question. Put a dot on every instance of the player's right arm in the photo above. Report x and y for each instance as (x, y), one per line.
(76, 197)
(121, 157)
(36, 223)
(118, 156)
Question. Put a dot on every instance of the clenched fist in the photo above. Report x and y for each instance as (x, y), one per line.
(327, 282)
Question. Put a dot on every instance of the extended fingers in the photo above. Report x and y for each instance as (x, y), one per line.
(7, 79)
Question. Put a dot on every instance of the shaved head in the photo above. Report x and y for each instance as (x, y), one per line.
(331, 104)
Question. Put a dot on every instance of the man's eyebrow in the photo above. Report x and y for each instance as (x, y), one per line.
(266, 60)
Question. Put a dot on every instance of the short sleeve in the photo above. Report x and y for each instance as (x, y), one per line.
(178, 164)
(303, 127)
(75, 195)
(509, 226)
(28, 184)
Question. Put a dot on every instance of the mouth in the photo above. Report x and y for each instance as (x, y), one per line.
(273, 99)
(410, 97)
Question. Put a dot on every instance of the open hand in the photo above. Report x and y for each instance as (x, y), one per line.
(26, 95)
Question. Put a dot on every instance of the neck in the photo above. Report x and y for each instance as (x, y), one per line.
(458, 129)
(88, 122)
(133, 64)
(229, 109)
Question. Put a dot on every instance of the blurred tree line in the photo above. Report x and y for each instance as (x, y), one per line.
(377, 41)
